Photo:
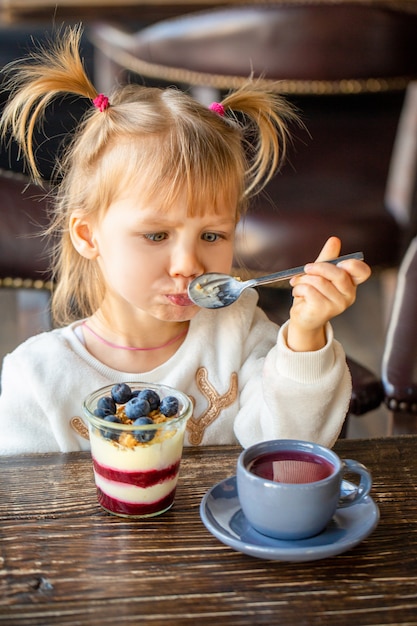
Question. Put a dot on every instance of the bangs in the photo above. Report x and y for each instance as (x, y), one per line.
(205, 190)
(164, 167)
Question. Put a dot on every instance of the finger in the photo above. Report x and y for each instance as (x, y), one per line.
(330, 250)
(358, 271)
(335, 275)
(340, 292)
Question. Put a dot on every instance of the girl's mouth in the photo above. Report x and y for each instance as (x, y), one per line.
(180, 299)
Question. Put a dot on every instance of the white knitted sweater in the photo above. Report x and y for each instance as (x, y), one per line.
(246, 383)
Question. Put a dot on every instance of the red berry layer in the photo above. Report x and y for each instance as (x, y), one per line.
(138, 479)
(133, 509)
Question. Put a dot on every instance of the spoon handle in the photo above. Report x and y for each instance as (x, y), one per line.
(277, 276)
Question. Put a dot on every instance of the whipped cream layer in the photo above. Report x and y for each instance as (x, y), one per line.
(158, 453)
(137, 481)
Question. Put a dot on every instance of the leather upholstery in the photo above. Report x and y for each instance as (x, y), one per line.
(308, 41)
(399, 365)
(23, 216)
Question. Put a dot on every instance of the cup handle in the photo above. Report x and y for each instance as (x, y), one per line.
(364, 487)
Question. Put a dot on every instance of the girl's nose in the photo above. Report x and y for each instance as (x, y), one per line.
(185, 262)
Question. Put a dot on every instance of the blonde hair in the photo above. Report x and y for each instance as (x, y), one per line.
(162, 138)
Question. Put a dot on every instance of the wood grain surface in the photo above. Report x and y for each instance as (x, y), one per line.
(65, 561)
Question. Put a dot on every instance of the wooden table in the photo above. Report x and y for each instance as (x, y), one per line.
(65, 561)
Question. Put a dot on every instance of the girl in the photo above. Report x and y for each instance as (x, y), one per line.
(150, 191)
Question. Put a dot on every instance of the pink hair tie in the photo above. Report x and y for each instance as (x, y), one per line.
(101, 102)
(218, 108)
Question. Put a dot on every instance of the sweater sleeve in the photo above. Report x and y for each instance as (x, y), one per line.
(42, 386)
(294, 395)
(24, 425)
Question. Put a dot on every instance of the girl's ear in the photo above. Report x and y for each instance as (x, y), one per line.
(82, 236)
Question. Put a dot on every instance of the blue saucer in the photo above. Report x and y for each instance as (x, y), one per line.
(221, 514)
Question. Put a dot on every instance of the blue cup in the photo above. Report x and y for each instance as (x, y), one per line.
(290, 489)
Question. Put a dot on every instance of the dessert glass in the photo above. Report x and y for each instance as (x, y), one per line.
(137, 479)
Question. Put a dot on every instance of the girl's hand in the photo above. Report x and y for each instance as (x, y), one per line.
(324, 291)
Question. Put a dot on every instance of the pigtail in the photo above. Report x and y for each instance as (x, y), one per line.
(264, 128)
(35, 81)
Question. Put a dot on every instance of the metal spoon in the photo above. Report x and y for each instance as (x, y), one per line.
(214, 291)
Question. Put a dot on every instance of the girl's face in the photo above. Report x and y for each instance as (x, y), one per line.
(149, 255)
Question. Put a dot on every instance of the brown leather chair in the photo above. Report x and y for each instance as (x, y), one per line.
(24, 256)
(346, 67)
(399, 364)
(24, 266)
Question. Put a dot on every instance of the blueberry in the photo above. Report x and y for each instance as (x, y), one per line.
(169, 406)
(137, 408)
(151, 396)
(106, 403)
(143, 435)
(103, 412)
(109, 434)
(113, 418)
(121, 393)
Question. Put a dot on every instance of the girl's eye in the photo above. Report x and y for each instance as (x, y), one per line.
(156, 236)
(211, 237)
